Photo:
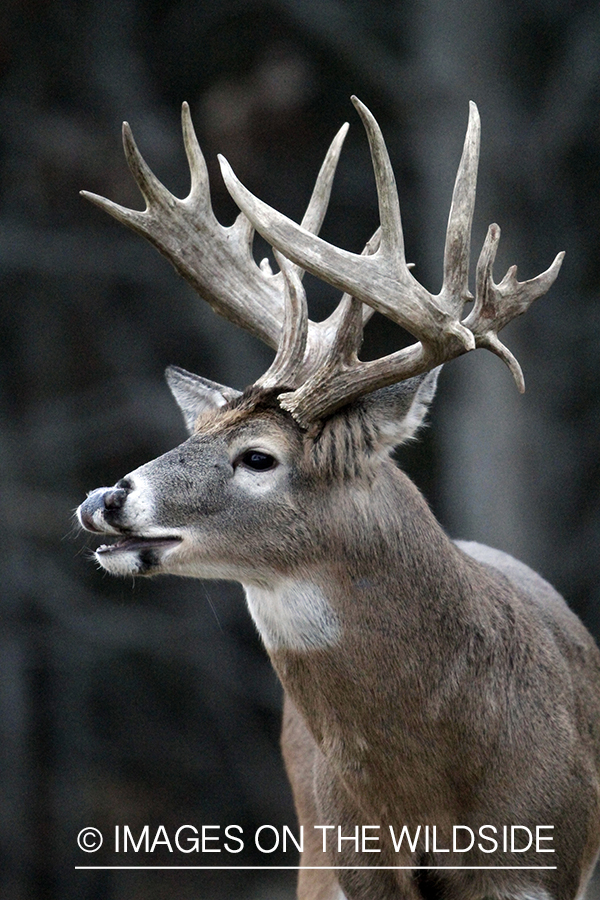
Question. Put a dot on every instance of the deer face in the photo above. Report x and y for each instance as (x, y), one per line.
(249, 496)
(203, 508)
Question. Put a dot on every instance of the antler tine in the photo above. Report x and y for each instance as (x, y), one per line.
(350, 318)
(285, 368)
(133, 218)
(349, 336)
(392, 238)
(340, 335)
(153, 190)
(333, 386)
(457, 250)
(319, 201)
(199, 195)
(498, 304)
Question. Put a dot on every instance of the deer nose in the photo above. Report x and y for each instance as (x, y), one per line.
(91, 513)
(115, 498)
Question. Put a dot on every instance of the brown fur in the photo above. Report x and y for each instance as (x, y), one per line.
(449, 685)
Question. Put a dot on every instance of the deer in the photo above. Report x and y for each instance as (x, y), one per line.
(429, 684)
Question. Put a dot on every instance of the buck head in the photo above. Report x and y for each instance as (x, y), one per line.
(240, 497)
(267, 478)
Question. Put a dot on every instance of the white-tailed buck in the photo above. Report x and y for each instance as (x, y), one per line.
(437, 685)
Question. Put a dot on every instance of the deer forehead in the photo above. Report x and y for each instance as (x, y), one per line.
(240, 429)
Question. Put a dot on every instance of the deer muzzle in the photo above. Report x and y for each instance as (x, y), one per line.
(105, 511)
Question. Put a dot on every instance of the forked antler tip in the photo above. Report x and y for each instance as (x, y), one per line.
(542, 283)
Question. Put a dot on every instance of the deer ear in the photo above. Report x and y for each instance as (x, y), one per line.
(196, 395)
(398, 411)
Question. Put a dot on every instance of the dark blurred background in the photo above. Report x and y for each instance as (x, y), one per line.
(152, 702)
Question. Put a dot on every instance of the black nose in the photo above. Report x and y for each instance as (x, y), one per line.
(115, 498)
(99, 503)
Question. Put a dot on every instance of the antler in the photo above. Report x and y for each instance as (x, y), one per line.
(217, 260)
(316, 365)
(383, 280)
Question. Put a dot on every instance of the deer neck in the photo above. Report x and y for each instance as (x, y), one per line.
(370, 620)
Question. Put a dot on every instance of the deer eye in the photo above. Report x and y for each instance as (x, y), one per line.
(257, 460)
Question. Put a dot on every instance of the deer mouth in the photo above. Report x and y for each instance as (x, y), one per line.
(137, 543)
(136, 554)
